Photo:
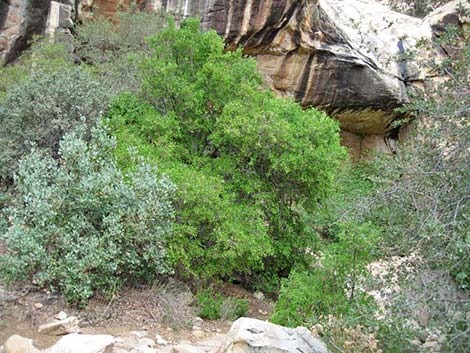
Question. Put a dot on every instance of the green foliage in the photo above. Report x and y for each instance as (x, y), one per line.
(212, 237)
(44, 106)
(189, 74)
(213, 306)
(81, 226)
(418, 199)
(114, 48)
(42, 56)
(236, 152)
(330, 286)
(209, 303)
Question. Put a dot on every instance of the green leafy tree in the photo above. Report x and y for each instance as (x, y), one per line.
(248, 165)
(330, 286)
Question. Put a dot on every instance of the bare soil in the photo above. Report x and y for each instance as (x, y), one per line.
(169, 312)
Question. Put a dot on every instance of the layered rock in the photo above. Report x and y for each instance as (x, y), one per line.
(343, 56)
(346, 57)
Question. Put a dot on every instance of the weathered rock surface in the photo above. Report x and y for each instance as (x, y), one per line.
(256, 336)
(341, 56)
(245, 336)
(75, 343)
(60, 18)
(344, 56)
(19, 344)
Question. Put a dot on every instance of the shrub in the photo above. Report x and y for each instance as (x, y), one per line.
(248, 165)
(214, 306)
(283, 158)
(114, 49)
(233, 308)
(42, 108)
(418, 198)
(211, 237)
(80, 225)
(330, 287)
(43, 56)
(209, 304)
(172, 301)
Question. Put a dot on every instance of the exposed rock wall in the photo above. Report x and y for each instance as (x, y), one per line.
(342, 56)
(20, 20)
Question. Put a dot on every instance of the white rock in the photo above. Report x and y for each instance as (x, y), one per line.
(19, 344)
(199, 333)
(160, 340)
(255, 336)
(61, 315)
(139, 334)
(75, 343)
(147, 342)
(197, 321)
(187, 348)
(259, 295)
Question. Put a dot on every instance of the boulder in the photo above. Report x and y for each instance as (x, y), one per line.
(341, 56)
(255, 336)
(19, 344)
(75, 343)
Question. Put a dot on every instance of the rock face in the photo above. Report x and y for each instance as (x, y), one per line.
(256, 336)
(20, 20)
(343, 56)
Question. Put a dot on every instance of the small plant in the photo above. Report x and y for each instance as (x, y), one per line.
(173, 304)
(232, 308)
(210, 304)
(213, 306)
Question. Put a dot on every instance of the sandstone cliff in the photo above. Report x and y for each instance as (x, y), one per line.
(343, 56)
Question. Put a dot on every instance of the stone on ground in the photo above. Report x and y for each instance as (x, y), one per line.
(255, 336)
(75, 343)
(19, 344)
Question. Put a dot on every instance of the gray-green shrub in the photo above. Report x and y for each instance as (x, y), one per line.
(42, 108)
(80, 225)
(114, 49)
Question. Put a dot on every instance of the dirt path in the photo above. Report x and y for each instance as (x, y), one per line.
(164, 311)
